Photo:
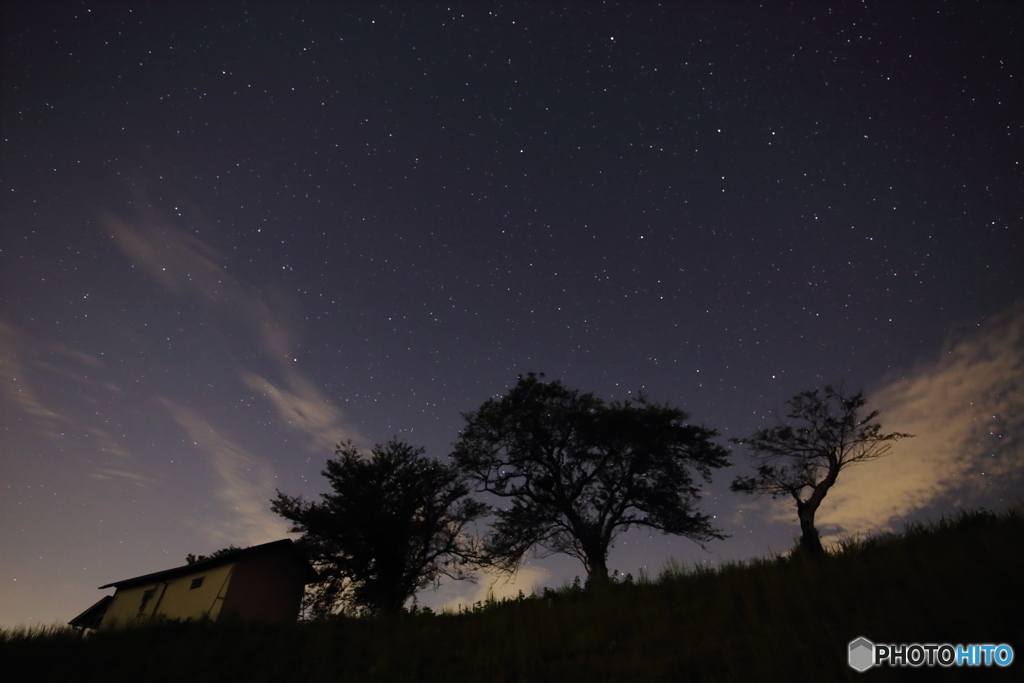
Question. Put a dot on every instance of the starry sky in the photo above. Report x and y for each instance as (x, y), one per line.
(233, 235)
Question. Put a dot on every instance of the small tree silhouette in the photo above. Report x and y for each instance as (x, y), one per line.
(394, 523)
(824, 436)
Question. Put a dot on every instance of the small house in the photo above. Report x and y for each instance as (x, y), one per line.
(263, 582)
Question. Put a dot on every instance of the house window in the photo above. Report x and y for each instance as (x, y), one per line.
(196, 583)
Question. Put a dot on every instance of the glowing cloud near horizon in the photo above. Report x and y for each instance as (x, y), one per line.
(966, 409)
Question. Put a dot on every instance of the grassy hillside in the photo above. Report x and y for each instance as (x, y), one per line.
(956, 581)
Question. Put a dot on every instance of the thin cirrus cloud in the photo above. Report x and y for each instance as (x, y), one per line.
(21, 366)
(301, 405)
(17, 386)
(104, 443)
(966, 410)
(138, 480)
(185, 265)
(246, 483)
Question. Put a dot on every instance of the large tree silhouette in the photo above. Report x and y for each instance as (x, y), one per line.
(394, 523)
(803, 457)
(579, 471)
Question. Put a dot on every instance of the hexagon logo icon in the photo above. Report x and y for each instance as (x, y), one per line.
(862, 654)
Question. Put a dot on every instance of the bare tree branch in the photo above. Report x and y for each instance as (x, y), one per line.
(824, 435)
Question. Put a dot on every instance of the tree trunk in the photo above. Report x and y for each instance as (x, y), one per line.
(597, 568)
(805, 510)
(809, 540)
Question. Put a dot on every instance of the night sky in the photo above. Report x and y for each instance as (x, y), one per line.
(234, 235)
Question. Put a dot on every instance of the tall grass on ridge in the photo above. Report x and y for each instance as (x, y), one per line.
(956, 580)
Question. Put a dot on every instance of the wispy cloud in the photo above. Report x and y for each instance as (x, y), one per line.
(303, 408)
(496, 584)
(16, 386)
(177, 260)
(107, 444)
(967, 411)
(185, 265)
(246, 484)
(20, 366)
(140, 481)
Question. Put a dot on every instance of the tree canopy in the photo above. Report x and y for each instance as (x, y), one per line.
(394, 523)
(192, 558)
(579, 471)
(825, 434)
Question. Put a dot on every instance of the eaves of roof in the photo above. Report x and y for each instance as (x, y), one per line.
(206, 565)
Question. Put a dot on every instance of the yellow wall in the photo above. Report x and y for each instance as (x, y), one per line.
(172, 599)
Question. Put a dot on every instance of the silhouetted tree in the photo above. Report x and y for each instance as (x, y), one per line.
(192, 559)
(579, 471)
(824, 436)
(394, 523)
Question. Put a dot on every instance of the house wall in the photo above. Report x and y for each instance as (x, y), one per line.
(173, 599)
(267, 586)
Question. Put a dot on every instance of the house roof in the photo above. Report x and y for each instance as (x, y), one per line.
(92, 617)
(227, 558)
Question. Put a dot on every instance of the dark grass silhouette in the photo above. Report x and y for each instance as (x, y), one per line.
(783, 618)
